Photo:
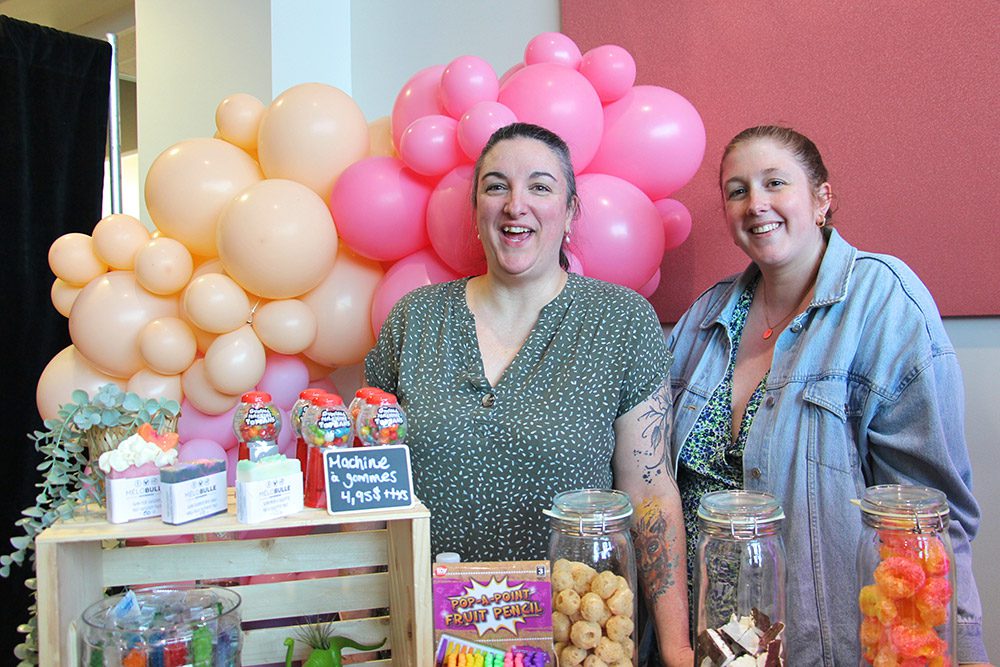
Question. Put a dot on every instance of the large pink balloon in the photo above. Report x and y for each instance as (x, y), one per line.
(343, 306)
(380, 206)
(552, 47)
(610, 69)
(107, 318)
(619, 236)
(479, 123)
(284, 377)
(420, 96)
(200, 448)
(467, 80)
(676, 222)
(450, 224)
(277, 239)
(232, 459)
(421, 268)
(651, 285)
(429, 145)
(67, 371)
(561, 99)
(193, 423)
(311, 133)
(653, 138)
(189, 184)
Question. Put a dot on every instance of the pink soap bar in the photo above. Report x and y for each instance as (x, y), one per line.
(147, 469)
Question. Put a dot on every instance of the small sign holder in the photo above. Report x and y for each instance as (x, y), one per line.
(359, 479)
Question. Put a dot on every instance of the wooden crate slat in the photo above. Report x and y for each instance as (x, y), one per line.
(267, 645)
(312, 597)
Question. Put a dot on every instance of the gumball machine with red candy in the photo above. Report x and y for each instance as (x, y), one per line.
(381, 421)
(325, 424)
(256, 423)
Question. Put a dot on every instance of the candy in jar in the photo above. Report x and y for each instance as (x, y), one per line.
(304, 400)
(256, 423)
(361, 397)
(381, 421)
(324, 424)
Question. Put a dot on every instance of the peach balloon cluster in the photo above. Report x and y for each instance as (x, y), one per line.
(281, 243)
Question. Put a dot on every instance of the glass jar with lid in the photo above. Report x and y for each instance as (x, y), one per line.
(739, 579)
(906, 576)
(593, 576)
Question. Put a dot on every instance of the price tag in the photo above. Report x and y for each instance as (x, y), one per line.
(367, 478)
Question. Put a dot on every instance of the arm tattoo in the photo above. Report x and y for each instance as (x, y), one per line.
(654, 537)
(657, 422)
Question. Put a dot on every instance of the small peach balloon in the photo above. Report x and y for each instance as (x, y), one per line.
(117, 238)
(201, 394)
(235, 362)
(108, 316)
(63, 295)
(73, 259)
(238, 119)
(150, 384)
(380, 138)
(168, 345)
(190, 183)
(310, 134)
(212, 265)
(287, 326)
(163, 266)
(203, 338)
(277, 239)
(215, 303)
(67, 371)
(342, 304)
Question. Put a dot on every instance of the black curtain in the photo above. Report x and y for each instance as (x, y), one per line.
(53, 132)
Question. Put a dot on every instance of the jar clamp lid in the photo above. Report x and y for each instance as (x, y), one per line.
(920, 508)
(590, 510)
(744, 513)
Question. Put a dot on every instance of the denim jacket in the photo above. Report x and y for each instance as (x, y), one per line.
(864, 389)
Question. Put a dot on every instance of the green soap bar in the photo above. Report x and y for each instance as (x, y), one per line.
(269, 467)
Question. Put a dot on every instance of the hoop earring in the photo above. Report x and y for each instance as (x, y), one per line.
(821, 221)
(566, 239)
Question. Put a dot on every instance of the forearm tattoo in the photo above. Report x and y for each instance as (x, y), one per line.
(654, 538)
(656, 423)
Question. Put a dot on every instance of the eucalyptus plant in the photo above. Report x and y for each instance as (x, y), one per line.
(83, 429)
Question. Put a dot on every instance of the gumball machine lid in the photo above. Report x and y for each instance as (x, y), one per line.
(327, 400)
(383, 398)
(365, 392)
(311, 393)
(256, 397)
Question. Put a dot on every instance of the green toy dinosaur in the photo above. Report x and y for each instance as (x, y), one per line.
(329, 654)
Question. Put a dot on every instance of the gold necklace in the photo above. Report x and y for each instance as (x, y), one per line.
(769, 331)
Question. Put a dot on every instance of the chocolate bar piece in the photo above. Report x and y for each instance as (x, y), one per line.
(772, 633)
(773, 654)
(760, 619)
(712, 645)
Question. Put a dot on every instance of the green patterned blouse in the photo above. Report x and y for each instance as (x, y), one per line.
(488, 459)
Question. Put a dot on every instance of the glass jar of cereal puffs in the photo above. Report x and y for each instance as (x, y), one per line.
(593, 577)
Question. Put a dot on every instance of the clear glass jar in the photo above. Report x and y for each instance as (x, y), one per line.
(907, 577)
(381, 421)
(324, 424)
(169, 625)
(594, 589)
(739, 578)
(256, 424)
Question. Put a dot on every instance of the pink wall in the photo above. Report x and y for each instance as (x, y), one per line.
(901, 96)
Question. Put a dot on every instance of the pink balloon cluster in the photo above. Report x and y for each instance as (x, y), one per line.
(282, 243)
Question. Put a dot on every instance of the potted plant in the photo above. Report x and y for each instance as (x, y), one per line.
(83, 429)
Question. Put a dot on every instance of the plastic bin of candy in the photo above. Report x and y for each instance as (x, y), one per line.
(287, 572)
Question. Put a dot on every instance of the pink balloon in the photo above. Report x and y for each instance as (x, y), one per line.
(421, 268)
(552, 47)
(619, 236)
(510, 72)
(450, 224)
(194, 424)
(232, 458)
(653, 138)
(284, 377)
(429, 145)
(420, 96)
(325, 384)
(676, 222)
(286, 436)
(380, 207)
(200, 448)
(562, 100)
(479, 123)
(574, 262)
(610, 69)
(650, 287)
(467, 80)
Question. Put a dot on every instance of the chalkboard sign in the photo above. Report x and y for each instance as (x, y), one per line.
(367, 478)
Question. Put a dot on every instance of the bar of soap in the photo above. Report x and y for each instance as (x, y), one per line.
(187, 470)
(269, 467)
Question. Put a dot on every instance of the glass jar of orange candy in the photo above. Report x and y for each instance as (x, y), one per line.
(907, 577)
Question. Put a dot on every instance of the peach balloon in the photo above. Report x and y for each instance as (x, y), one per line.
(73, 259)
(277, 239)
(163, 266)
(63, 296)
(317, 371)
(201, 394)
(168, 345)
(117, 238)
(215, 303)
(108, 316)
(212, 265)
(150, 384)
(204, 339)
(287, 326)
(67, 371)
(310, 134)
(342, 304)
(235, 362)
(380, 138)
(238, 119)
(190, 183)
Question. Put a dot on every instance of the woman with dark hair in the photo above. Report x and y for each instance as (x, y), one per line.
(528, 381)
(818, 371)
